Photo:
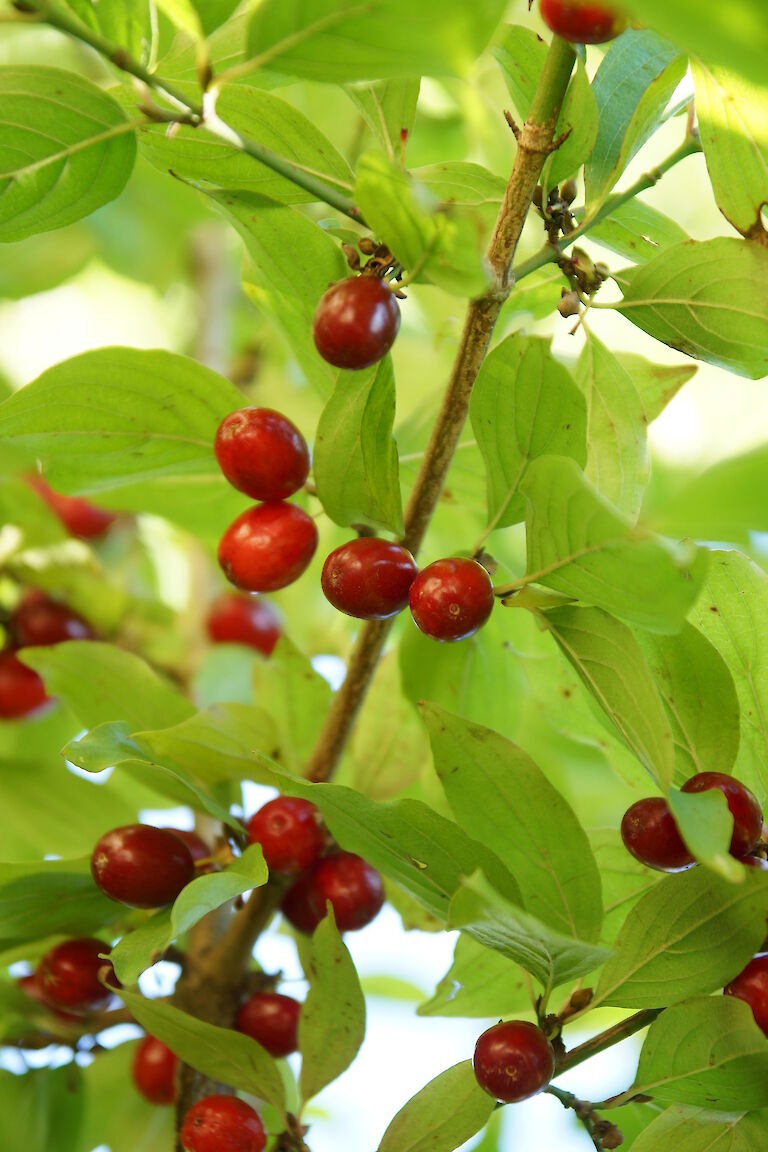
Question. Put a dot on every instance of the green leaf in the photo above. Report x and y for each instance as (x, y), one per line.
(581, 546)
(724, 502)
(332, 1020)
(443, 1115)
(445, 248)
(67, 149)
(22, 508)
(624, 880)
(632, 87)
(494, 921)
(706, 298)
(732, 612)
(184, 14)
(388, 108)
(217, 745)
(501, 798)
(334, 41)
(637, 231)
(524, 405)
(706, 825)
(139, 949)
(219, 1053)
(682, 1128)
(43, 1109)
(296, 699)
(706, 1052)
(389, 747)
(53, 897)
(617, 455)
(355, 463)
(117, 1115)
(479, 983)
(459, 182)
(690, 934)
(656, 383)
(124, 22)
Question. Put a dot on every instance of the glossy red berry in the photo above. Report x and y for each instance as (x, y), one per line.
(154, 1071)
(369, 578)
(262, 453)
(356, 322)
(513, 1060)
(21, 690)
(451, 599)
(353, 887)
(582, 21)
(298, 906)
(142, 866)
(222, 1124)
(30, 987)
(751, 985)
(743, 805)
(237, 619)
(79, 517)
(267, 547)
(650, 833)
(197, 847)
(271, 1020)
(41, 621)
(290, 832)
(68, 976)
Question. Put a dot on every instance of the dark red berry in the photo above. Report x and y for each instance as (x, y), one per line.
(353, 887)
(743, 805)
(581, 21)
(356, 322)
(267, 547)
(142, 866)
(30, 987)
(42, 621)
(222, 1124)
(290, 832)
(21, 690)
(271, 1020)
(79, 517)
(198, 848)
(369, 578)
(68, 976)
(298, 906)
(650, 833)
(154, 1071)
(262, 453)
(757, 862)
(237, 619)
(751, 985)
(451, 599)
(513, 1060)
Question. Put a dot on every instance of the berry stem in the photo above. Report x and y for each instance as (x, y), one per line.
(613, 1035)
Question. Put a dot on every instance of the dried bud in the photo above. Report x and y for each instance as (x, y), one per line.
(366, 245)
(538, 196)
(569, 191)
(581, 998)
(351, 255)
(569, 304)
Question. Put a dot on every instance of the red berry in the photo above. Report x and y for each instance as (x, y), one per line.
(154, 1071)
(42, 621)
(30, 987)
(298, 906)
(353, 887)
(21, 690)
(743, 805)
(290, 832)
(79, 517)
(267, 547)
(650, 833)
(262, 453)
(513, 1060)
(582, 22)
(237, 619)
(271, 1020)
(356, 322)
(198, 848)
(756, 862)
(222, 1124)
(751, 985)
(142, 866)
(369, 578)
(451, 599)
(68, 976)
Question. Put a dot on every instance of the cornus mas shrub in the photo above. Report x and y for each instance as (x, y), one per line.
(419, 304)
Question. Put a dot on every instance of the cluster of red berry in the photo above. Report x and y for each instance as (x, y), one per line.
(36, 622)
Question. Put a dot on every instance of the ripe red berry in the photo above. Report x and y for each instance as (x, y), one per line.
(743, 805)
(142, 866)
(757, 862)
(356, 322)
(267, 547)
(353, 887)
(79, 517)
(42, 621)
(369, 578)
(222, 1124)
(271, 1020)
(238, 619)
(290, 831)
(451, 599)
(154, 1071)
(262, 453)
(30, 987)
(197, 846)
(298, 906)
(513, 1060)
(21, 690)
(68, 976)
(751, 985)
(650, 833)
(582, 21)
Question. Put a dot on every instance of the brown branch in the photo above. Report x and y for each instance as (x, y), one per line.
(534, 141)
